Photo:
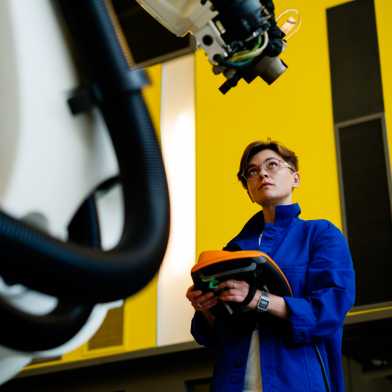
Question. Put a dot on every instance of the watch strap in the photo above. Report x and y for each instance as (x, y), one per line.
(251, 293)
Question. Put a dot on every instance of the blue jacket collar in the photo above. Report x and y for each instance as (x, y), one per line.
(285, 213)
(248, 237)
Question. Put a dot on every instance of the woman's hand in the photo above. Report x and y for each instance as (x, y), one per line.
(201, 301)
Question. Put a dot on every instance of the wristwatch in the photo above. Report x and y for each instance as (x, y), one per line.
(263, 302)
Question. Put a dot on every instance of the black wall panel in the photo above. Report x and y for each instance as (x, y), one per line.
(354, 60)
(149, 41)
(367, 207)
(358, 110)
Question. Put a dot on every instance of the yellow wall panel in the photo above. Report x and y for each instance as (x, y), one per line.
(296, 110)
(140, 327)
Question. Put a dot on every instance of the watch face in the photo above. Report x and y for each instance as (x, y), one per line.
(263, 303)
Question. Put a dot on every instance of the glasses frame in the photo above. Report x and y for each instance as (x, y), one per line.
(259, 168)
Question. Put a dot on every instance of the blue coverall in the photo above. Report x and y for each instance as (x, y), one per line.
(315, 257)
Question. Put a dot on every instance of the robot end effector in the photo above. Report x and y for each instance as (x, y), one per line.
(242, 38)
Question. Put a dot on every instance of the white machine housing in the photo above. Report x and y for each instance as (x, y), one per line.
(50, 160)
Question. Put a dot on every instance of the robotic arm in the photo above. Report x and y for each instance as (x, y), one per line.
(240, 37)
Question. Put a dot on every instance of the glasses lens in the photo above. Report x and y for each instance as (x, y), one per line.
(252, 172)
(272, 165)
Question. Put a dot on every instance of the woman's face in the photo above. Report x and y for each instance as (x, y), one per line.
(270, 180)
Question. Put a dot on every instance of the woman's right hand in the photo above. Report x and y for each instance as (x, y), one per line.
(201, 301)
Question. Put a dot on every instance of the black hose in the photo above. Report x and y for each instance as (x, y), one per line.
(27, 332)
(23, 331)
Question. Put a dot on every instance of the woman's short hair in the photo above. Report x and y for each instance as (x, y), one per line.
(253, 148)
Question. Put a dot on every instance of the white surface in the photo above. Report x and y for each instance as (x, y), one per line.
(49, 159)
(11, 363)
(178, 146)
(179, 16)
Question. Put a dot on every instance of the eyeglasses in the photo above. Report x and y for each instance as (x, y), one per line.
(270, 165)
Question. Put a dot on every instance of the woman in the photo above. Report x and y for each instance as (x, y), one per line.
(282, 343)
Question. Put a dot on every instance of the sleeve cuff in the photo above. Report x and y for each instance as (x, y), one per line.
(301, 320)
